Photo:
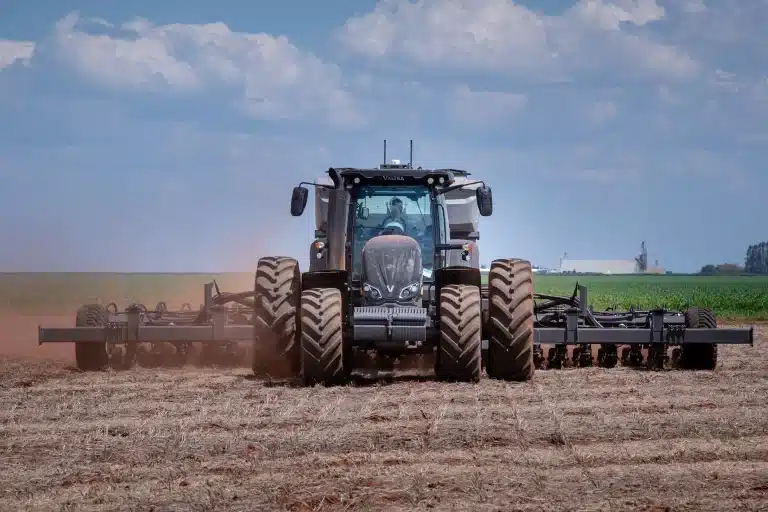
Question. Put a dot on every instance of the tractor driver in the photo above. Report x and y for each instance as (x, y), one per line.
(394, 223)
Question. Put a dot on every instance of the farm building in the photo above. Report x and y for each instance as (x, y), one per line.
(600, 266)
(639, 265)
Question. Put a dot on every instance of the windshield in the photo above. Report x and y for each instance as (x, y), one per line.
(392, 210)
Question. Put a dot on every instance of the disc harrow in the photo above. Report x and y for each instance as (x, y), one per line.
(573, 314)
(123, 347)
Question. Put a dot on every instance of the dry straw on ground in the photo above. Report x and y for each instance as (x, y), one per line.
(586, 439)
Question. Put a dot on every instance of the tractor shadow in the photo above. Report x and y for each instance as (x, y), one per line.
(356, 379)
(366, 373)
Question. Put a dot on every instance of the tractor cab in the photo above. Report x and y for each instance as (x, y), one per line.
(410, 211)
(387, 228)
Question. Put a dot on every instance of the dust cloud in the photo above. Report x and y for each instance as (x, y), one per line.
(18, 336)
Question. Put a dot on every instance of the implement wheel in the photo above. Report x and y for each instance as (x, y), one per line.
(322, 340)
(91, 356)
(275, 318)
(699, 356)
(459, 352)
(510, 320)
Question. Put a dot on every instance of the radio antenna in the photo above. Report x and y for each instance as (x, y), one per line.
(410, 164)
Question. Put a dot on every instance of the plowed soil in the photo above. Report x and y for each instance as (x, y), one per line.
(215, 439)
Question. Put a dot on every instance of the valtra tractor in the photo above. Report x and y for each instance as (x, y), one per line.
(394, 270)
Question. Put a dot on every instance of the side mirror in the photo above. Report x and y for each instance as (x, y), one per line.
(484, 201)
(363, 213)
(299, 201)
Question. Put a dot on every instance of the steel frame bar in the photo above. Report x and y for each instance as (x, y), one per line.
(621, 328)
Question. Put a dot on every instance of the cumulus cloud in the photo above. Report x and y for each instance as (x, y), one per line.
(484, 107)
(273, 78)
(610, 15)
(504, 36)
(12, 51)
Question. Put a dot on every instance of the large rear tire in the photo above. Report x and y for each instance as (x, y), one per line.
(91, 356)
(699, 356)
(322, 339)
(275, 319)
(510, 320)
(459, 352)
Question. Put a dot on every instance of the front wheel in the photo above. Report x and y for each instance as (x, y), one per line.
(322, 339)
(459, 352)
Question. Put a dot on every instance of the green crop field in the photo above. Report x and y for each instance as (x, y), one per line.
(738, 297)
(730, 297)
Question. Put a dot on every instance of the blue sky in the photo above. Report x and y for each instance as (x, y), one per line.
(143, 136)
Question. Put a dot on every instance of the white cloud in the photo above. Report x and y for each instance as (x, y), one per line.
(484, 107)
(610, 15)
(501, 35)
(11, 51)
(273, 78)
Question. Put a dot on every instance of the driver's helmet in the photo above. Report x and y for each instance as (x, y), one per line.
(395, 227)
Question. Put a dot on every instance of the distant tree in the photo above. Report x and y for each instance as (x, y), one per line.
(729, 269)
(756, 260)
(724, 269)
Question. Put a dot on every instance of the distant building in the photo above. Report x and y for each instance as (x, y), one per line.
(600, 266)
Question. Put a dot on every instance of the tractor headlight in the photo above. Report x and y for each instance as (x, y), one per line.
(371, 291)
(319, 249)
(410, 291)
(466, 251)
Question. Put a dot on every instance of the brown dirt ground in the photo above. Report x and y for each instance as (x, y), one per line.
(193, 439)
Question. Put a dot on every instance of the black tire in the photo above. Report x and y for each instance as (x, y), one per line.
(699, 356)
(510, 320)
(91, 357)
(322, 339)
(461, 331)
(276, 326)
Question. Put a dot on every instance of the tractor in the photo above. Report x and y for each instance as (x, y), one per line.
(387, 277)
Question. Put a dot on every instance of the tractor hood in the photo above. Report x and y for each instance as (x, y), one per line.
(391, 269)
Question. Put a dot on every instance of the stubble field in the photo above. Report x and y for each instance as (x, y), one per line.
(215, 439)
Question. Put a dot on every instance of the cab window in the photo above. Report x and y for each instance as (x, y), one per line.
(384, 210)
